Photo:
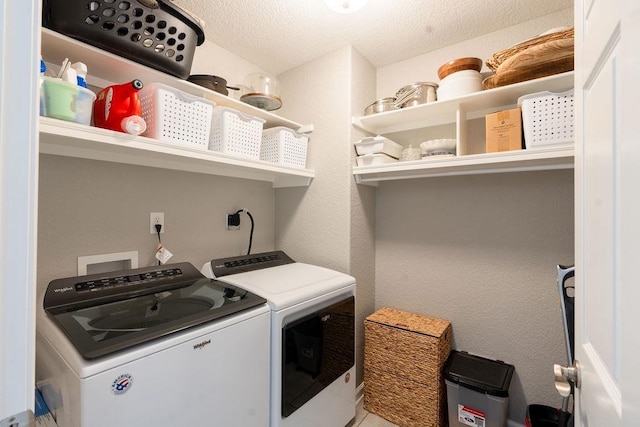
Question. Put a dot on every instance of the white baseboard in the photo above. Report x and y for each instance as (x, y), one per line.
(359, 393)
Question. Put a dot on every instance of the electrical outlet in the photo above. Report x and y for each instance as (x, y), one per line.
(232, 221)
(156, 218)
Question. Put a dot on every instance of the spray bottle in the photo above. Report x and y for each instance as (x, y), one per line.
(119, 108)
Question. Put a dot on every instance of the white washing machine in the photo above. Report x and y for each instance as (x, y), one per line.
(156, 346)
(312, 335)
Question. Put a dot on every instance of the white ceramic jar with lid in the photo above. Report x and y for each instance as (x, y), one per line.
(459, 84)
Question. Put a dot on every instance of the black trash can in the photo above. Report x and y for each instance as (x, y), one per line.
(546, 416)
(542, 416)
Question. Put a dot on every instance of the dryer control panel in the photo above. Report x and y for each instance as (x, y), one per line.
(241, 264)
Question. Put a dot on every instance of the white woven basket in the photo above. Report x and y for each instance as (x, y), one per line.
(176, 117)
(284, 146)
(236, 133)
(547, 118)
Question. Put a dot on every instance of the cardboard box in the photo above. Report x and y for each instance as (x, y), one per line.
(504, 131)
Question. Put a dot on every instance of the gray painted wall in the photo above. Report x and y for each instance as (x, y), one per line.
(314, 222)
(88, 207)
(363, 211)
(480, 251)
(331, 223)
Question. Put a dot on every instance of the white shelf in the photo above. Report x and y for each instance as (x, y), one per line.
(459, 112)
(63, 138)
(560, 157)
(74, 140)
(106, 69)
(475, 105)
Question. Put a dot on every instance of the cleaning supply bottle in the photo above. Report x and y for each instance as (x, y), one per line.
(43, 69)
(81, 73)
(69, 75)
(119, 108)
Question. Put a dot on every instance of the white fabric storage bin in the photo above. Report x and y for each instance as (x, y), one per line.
(235, 133)
(176, 117)
(378, 144)
(547, 118)
(284, 146)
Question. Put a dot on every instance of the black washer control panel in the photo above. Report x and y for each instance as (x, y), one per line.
(84, 291)
(124, 280)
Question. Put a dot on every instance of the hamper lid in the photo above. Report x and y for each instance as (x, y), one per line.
(478, 373)
(410, 321)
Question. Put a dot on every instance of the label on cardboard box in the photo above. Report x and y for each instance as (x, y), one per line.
(504, 131)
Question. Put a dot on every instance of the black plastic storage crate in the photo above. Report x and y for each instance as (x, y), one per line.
(155, 33)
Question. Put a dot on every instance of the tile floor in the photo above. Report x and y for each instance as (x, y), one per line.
(367, 419)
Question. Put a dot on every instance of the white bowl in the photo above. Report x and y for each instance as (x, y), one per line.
(438, 147)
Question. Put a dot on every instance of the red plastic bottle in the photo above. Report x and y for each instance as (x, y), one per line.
(119, 108)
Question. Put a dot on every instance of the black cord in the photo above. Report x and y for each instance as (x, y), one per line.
(252, 226)
(250, 235)
(158, 229)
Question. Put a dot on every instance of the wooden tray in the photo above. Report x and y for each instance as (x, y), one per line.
(501, 56)
(552, 57)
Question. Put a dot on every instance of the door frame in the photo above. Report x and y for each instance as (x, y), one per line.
(630, 212)
(19, 106)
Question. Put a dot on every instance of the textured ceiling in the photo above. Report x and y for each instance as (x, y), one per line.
(278, 35)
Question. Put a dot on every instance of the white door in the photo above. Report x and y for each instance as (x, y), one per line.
(607, 212)
(19, 54)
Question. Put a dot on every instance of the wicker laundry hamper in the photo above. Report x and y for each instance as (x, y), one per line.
(404, 359)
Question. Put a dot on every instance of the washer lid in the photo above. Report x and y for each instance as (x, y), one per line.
(103, 314)
(289, 284)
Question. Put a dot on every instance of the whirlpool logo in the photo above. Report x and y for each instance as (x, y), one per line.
(60, 290)
(201, 345)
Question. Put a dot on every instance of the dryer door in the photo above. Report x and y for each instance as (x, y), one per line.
(317, 349)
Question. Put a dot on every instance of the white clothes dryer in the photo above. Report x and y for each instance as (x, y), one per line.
(312, 335)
